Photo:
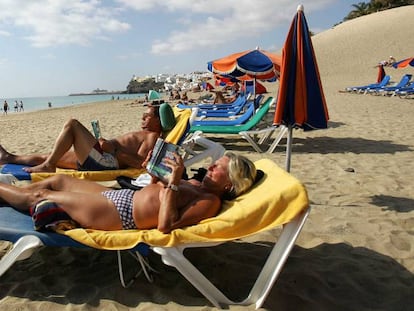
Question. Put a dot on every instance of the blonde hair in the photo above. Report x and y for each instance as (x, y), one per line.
(242, 174)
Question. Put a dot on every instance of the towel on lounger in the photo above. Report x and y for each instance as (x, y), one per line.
(273, 201)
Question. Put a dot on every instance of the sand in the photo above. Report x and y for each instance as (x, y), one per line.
(356, 250)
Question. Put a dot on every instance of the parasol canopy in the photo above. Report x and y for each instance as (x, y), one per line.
(248, 65)
(301, 101)
(404, 63)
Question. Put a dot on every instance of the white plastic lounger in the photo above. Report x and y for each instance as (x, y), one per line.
(278, 199)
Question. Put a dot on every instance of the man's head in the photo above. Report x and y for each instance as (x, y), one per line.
(158, 116)
(151, 119)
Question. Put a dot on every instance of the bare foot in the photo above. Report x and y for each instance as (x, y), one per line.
(4, 155)
(44, 167)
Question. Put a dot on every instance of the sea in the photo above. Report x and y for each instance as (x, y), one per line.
(47, 102)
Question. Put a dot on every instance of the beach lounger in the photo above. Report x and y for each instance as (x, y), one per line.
(405, 92)
(362, 88)
(277, 199)
(177, 135)
(228, 121)
(255, 131)
(385, 89)
(201, 106)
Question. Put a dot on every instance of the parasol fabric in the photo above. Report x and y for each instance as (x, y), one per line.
(404, 63)
(301, 101)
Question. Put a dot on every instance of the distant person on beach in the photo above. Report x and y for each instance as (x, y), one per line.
(5, 107)
(162, 205)
(21, 106)
(220, 99)
(128, 150)
(16, 106)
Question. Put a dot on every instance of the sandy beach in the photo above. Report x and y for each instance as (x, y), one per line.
(356, 251)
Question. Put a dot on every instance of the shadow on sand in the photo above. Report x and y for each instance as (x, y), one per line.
(322, 145)
(325, 277)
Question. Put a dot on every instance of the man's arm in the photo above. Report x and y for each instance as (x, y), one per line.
(128, 159)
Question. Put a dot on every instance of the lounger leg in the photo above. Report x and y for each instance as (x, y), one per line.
(173, 256)
(22, 249)
(277, 140)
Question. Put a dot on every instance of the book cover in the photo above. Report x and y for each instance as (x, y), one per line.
(155, 165)
(96, 128)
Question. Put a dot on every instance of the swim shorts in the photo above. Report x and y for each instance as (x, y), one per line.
(98, 160)
(123, 201)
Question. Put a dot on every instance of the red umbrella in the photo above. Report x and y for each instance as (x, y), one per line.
(301, 101)
(381, 73)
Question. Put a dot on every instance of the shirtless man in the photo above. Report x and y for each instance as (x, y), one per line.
(128, 150)
(166, 206)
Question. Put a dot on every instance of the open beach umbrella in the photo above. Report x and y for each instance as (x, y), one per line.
(301, 101)
(153, 95)
(248, 65)
(257, 63)
(404, 63)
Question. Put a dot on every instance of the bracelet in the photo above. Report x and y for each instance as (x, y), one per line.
(172, 187)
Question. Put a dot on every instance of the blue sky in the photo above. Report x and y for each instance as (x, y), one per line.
(58, 47)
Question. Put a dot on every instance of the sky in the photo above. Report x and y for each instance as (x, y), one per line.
(58, 47)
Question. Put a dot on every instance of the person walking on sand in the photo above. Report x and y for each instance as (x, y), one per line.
(5, 107)
(163, 205)
(128, 150)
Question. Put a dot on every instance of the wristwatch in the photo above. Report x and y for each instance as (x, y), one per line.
(173, 187)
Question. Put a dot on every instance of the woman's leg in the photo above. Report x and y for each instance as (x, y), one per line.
(89, 210)
(66, 183)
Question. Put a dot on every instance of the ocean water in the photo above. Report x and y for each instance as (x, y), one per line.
(40, 103)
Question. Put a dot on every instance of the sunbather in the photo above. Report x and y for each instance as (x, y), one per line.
(165, 206)
(128, 150)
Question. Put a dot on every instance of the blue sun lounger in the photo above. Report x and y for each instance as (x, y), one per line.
(385, 89)
(361, 89)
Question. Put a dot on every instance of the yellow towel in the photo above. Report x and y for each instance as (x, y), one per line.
(275, 200)
(182, 116)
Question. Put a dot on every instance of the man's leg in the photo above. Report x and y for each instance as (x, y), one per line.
(68, 160)
(73, 134)
(32, 159)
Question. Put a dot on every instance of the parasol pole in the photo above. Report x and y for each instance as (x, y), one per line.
(289, 147)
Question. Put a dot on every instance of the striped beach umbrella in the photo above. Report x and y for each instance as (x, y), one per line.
(404, 63)
(250, 64)
(301, 101)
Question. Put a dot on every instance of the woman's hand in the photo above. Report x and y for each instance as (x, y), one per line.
(176, 164)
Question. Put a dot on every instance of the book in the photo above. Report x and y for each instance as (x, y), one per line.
(155, 165)
(96, 128)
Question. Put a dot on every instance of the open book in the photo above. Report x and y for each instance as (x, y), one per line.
(155, 165)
